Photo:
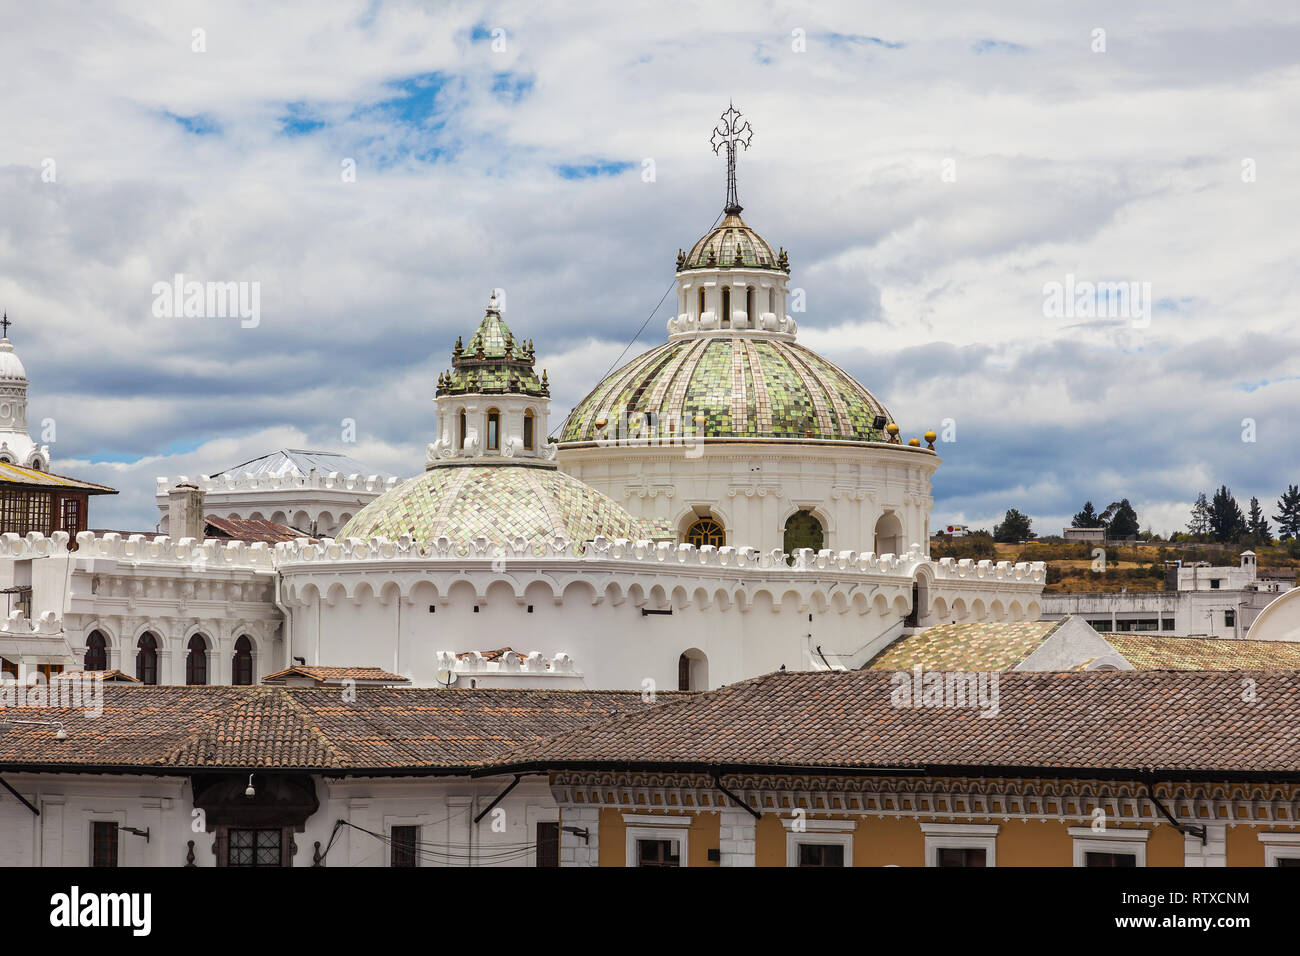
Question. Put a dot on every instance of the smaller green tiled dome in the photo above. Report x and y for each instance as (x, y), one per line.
(499, 502)
(494, 362)
(733, 244)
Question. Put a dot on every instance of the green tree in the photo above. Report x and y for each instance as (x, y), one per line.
(1121, 520)
(1288, 518)
(1200, 523)
(1014, 528)
(1227, 523)
(1087, 518)
(1257, 524)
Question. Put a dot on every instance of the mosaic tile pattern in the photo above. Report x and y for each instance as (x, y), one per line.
(744, 387)
(498, 502)
(991, 646)
(719, 248)
(1204, 653)
(493, 362)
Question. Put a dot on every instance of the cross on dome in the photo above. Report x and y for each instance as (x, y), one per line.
(730, 133)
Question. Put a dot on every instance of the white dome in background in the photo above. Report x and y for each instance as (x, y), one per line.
(11, 366)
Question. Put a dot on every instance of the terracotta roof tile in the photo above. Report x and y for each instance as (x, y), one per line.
(1180, 721)
(326, 672)
(407, 729)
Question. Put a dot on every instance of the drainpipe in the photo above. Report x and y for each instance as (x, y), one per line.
(288, 623)
(1186, 829)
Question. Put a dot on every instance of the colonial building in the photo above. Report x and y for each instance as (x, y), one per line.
(1199, 599)
(727, 504)
(814, 769)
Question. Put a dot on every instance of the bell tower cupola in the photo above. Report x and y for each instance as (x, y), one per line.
(732, 281)
(491, 403)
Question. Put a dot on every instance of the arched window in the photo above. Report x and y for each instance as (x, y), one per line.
(462, 428)
(196, 661)
(726, 307)
(494, 430)
(704, 531)
(96, 652)
(803, 530)
(771, 300)
(146, 659)
(889, 534)
(528, 429)
(241, 670)
(693, 670)
(751, 299)
(701, 309)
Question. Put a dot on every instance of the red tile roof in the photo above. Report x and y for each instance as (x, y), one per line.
(1183, 721)
(323, 673)
(411, 730)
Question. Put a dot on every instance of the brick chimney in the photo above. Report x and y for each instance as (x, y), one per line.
(185, 512)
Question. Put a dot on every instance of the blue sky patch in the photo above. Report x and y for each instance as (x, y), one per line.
(607, 167)
(200, 124)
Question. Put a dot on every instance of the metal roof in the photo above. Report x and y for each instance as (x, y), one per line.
(298, 461)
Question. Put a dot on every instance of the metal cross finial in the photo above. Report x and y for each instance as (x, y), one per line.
(731, 132)
(5, 323)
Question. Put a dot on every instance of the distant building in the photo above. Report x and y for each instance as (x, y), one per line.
(1199, 599)
(315, 492)
(1097, 535)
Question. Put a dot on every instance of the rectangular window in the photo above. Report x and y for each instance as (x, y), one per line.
(1214, 584)
(821, 854)
(1110, 847)
(49, 670)
(1229, 618)
(548, 844)
(103, 843)
(70, 516)
(259, 848)
(961, 856)
(405, 846)
(1167, 624)
(657, 853)
(8, 668)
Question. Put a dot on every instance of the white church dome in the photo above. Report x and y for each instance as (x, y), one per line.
(11, 366)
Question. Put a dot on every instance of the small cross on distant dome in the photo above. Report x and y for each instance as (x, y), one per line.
(494, 305)
(5, 323)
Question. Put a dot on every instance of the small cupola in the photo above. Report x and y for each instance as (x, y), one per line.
(492, 406)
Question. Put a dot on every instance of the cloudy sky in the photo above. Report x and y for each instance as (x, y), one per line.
(932, 169)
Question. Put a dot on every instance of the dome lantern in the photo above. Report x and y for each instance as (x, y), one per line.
(491, 403)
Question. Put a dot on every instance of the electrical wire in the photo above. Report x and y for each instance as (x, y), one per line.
(632, 342)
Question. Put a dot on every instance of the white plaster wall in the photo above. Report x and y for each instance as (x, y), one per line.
(755, 487)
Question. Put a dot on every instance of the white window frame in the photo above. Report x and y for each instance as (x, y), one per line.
(960, 836)
(1280, 846)
(655, 826)
(822, 832)
(1086, 839)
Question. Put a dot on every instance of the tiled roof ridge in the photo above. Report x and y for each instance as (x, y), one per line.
(214, 728)
(658, 708)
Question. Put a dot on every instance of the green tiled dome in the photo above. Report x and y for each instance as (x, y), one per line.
(733, 243)
(494, 362)
(744, 386)
(499, 502)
